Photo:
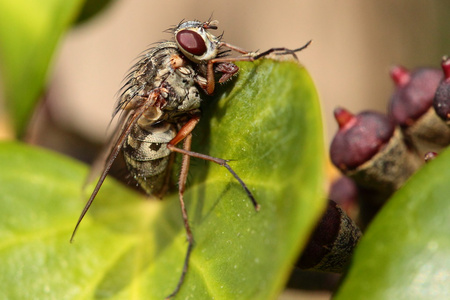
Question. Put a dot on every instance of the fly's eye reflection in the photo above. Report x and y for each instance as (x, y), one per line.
(159, 108)
(191, 42)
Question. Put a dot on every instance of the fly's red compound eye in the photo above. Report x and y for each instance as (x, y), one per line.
(191, 42)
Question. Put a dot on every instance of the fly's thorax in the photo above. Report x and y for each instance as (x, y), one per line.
(156, 70)
(147, 74)
(183, 94)
(163, 80)
(143, 76)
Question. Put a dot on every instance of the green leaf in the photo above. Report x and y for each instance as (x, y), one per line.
(405, 253)
(268, 121)
(29, 33)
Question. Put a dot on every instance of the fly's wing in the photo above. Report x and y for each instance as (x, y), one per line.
(101, 160)
(129, 120)
(138, 95)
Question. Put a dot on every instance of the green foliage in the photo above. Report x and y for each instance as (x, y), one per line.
(267, 120)
(405, 252)
(29, 33)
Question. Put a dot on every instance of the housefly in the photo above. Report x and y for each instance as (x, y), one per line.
(160, 106)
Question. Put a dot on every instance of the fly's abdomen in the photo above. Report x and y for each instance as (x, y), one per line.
(147, 156)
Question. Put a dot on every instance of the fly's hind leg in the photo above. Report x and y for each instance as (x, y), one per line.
(181, 187)
(185, 133)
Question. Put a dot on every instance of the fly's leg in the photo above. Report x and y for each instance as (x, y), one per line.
(248, 56)
(282, 51)
(255, 56)
(234, 48)
(183, 133)
(210, 80)
(227, 69)
(181, 187)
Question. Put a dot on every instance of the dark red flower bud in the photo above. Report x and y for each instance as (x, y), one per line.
(441, 101)
(414, 93)
(359, 137)
(369, 149)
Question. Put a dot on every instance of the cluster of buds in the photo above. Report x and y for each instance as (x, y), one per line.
(376, 153)
(380, 152)
(413, 104)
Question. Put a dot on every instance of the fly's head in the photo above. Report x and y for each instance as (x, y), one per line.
(196, 42)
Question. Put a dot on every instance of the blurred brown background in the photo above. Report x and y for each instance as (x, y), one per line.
(355, 43)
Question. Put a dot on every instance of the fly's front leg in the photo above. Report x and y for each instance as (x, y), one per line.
(255, 55)
(282, 51)
(210, 80)
(225, 66)
(227, 69)
(247, 56)
(234, 48)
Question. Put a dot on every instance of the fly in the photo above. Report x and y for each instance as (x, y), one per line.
(160, 106)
